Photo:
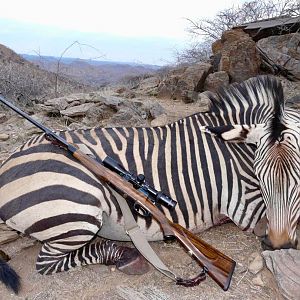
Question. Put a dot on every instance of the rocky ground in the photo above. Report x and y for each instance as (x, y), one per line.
(251, 279)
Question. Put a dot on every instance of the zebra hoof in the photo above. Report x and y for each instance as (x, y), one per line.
(132, 263)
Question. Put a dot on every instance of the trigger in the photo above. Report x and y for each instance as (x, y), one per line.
(141, 211)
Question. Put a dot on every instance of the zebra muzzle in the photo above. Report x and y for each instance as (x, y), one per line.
(268, 245)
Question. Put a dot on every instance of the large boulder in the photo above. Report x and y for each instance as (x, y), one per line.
(148, 86)
(183, 79)
(72, 105)
(283, 50)
(216, 80)
(77, 110)
(285, 266)
(195, 75)
(237, 55)
(57, 103)
(136, 113)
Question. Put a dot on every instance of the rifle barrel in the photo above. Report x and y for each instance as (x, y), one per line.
(23, 114)
(45, 129)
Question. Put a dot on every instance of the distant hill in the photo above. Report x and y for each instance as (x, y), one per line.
(91, 72)
(8, 55)
(26, 82)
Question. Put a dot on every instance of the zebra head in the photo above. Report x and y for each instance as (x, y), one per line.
(275, 132)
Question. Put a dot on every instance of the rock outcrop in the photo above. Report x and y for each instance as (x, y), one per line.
(283, 50)
(216, 80)
(285, 266)
(108, 111)
(184, 79)
(7, 234)
(237, 55)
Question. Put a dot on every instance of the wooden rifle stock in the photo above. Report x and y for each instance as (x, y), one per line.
(219, 266)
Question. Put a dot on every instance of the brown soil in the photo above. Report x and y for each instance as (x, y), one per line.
(102, 282)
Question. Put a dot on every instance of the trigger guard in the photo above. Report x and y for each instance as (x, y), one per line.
(139, 208)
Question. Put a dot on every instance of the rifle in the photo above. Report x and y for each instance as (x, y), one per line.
(215, 263)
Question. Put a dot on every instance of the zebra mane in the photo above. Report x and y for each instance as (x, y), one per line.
(255, 101)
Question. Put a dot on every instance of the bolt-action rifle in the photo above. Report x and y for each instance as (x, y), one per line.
(215, 263)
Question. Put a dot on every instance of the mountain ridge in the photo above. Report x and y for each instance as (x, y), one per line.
(68, 60)
(91, 72)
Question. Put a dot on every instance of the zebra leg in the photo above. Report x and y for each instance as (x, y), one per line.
(128, 260)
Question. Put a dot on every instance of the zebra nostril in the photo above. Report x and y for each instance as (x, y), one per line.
(289, 245)
(265, 243)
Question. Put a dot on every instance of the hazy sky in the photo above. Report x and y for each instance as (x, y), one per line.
(129, 30)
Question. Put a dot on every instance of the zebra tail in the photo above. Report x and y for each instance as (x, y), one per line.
(9, 277)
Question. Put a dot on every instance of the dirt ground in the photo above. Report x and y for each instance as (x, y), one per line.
(102, 282)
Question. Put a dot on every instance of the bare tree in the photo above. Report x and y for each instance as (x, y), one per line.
(23, 82)
(196, 52)
(212, 29)
(205, 31)
(58, 65)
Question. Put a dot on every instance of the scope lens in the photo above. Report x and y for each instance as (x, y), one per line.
(166, 201)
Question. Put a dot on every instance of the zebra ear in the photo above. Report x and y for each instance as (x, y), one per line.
(236, 133)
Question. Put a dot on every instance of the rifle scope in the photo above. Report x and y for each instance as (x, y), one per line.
(139, 183)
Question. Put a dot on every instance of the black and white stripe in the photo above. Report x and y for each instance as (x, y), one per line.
(98, 252)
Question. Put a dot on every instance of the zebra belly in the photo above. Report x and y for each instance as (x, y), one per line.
(50, 197)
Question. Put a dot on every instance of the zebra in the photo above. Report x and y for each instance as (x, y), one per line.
(259, 117)
(207, 162)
